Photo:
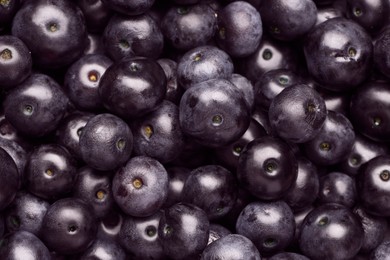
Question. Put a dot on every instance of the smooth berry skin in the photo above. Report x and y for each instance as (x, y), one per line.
(133, 87)
(374, 186)
(82, 81)
(229, 246)
(370, 15)
(374, 229)
(267, 168)
(158, 134)
(183, 231)
(239, 29)
(130, 8)
(187, 27)
(228, 155)
(214, 113)
(69, 130)
(96, 14)
(7, 12)
(304, 190)
(104, 249)
(297, 113)
(36, 106)
(246, 87)
(269, 225)
(15, 61)
(139, 237)
(216, 199)
(23, 244)
(50, 171)
(203, 63)
(270, 55)
(26, 213)
(106, 142)
(363, 150)
(140, 187)
(339, 54)
(271, 84)
(95, 189)
(337, 231)
(130, 36)
(369, 110)
(177, 177)
(69, 226)
(334, 141)
(301, 18)
(54, 32)
(337, 187)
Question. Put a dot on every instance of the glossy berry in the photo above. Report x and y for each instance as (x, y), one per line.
(212, 188)
(297, 113)
(140, 188)
(26, 213)
(104, 249)
(158, 134)
(228, 155)
(333, 142)
(239, 29)
(271, 83)
(370, 15)
(69, 131)
(82, 81)
(50, 171)
(337, 231)
(130, 36)
(288, 20)
(338, 54)
(183, 231)
(267, 168)
(95, 189)
(374, 186)
(233, 245)
(60, 28)
(337, 187)
(23, 244)
(133, 87)
(69, 227)
(269, 225)
(15, 61)
(106, 142)
(369, 112)
(203, 63)
(139, 237)
(36, 106)
(214, 113)
(189, 26)
(304, 190)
